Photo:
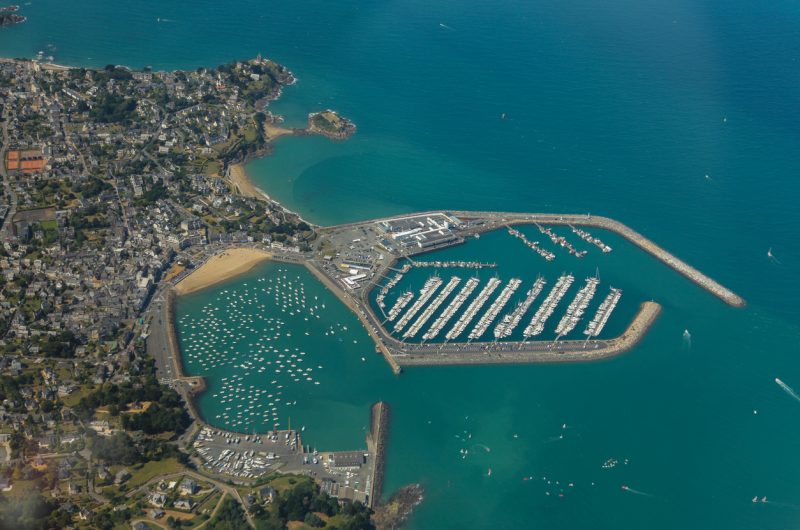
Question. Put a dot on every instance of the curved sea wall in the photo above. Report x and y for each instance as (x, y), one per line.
(525, 353)
(353, 305)
(702, 280)
(497, 220)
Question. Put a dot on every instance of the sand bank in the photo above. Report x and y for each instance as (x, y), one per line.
(220, 267)
(271, 131)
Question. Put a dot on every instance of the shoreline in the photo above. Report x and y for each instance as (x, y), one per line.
(220, 267)
(242, 183)
(273, 132)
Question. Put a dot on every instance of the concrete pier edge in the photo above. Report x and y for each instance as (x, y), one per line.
(376, 444)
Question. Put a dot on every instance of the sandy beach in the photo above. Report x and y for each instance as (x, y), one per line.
(273, 131)
(242, 183)
(221, 267)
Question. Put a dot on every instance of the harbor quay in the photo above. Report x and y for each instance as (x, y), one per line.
(355, 260)
(498, 220)
(477, 222)
(360, 263)
(538, 351)
(399, 354)
(245, 458)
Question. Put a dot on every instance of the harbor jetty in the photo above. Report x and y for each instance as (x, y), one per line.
(543, 352)
(478, 222)
(509, 322)
(376, 445)
(548, 306)
(603, 313)
(372, 249)
(495, 220)
(451, 309)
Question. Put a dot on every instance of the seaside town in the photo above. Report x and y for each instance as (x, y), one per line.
(123, 189)
(115, 182)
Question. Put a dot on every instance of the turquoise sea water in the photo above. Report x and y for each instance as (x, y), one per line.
(678, 118)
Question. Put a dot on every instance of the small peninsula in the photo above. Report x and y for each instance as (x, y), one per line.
(330, 124)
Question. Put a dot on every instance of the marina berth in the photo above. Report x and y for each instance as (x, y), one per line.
(388, 287)
(380, 299)
(533, 245)
(494, 310)
(577, 307)
(455, 264)
(451, 309)
(425, 294)
(472, 309)
(589, 238)
(432, 307)
(603, 313)
(510, 322)
(536, 327)
(561, 241)
(400, 304)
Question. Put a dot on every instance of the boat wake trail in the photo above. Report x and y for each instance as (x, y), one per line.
(484, 447)
(782, 504)
(786, 388)
(445, 26)
(772, 258)
(763, 500)
(636, 492)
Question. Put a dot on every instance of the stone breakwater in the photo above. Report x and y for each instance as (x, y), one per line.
(373, 329)
(399, 354)
(188, 387)
(172, 332)
(499, 220)
(525, 353)
(376, 443)
(702, 280)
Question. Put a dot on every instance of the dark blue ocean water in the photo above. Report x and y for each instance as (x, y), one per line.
(678, 118)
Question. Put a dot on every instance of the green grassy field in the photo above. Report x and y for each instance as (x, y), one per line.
(152, 469)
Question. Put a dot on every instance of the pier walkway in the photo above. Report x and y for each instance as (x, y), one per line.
(536, 351)
(399, 354)
(496, 220)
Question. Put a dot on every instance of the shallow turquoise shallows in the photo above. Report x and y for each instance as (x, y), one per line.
(678, 118)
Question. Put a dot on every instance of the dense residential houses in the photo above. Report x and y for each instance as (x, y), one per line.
(112, 185)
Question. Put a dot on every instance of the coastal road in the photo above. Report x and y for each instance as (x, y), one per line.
(158, 342)
(6, 229)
